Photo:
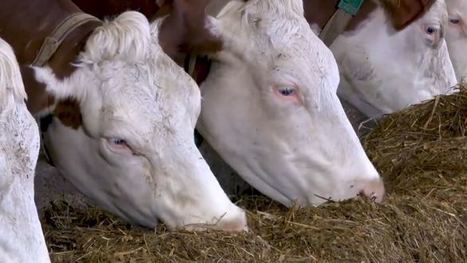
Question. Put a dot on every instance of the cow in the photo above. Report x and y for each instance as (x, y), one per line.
(21, 237)
(124, 114)
(270, 107)
(391, 54)
(456, 37)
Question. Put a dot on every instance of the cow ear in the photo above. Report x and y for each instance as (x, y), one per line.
(188, 29)
(403, 12)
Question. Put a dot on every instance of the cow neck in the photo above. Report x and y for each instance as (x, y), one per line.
(25, 24)
(319, 12)
(196, 66)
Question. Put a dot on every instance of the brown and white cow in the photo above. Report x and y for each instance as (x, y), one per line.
(129, 147)
(392, 54)
(21, 237)
(270, 107)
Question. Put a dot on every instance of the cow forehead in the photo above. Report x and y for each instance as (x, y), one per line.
(274, 31)
(149, 93)
(144, 83)
(277, 24)
(277, 36)
(142, 76)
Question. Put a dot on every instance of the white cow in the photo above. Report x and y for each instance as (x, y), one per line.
(383, 71)
(456, 37)
(139, 129)
(131, 149)
(271, 111)
(21, 238)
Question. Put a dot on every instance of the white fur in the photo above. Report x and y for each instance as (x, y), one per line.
(21, 238)
(383, 71)
(456, 37)
(12, 90)
(129, 89)
(302, 153)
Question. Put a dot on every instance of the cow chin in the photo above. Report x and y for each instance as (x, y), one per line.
(181, 191)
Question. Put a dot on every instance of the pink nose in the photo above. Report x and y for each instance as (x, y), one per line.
(235, 224)
(373, 189)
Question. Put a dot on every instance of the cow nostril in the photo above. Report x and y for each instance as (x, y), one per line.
(372, 196)
(374, 190)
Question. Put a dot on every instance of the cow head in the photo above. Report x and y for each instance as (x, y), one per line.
(21, 237)
(384, 70)
(134, 151)
(271, 111)
(456, 36)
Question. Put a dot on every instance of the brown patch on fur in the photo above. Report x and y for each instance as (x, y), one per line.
(25, 24)
(106, 8)
(185, 29)
(62, 61)
(69, 114)
(403, 12)
(319, 12)
(38, 98)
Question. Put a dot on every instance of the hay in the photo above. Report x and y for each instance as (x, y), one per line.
(421, 153)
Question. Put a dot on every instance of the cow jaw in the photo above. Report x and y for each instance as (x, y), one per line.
(271, 111)
(134, 152)
(456, 37)
(383, 71)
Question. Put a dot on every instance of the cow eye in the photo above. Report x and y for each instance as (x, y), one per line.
(119, 145)
(433, 34)
(117, 141)
(286, 91)
(430, 30)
